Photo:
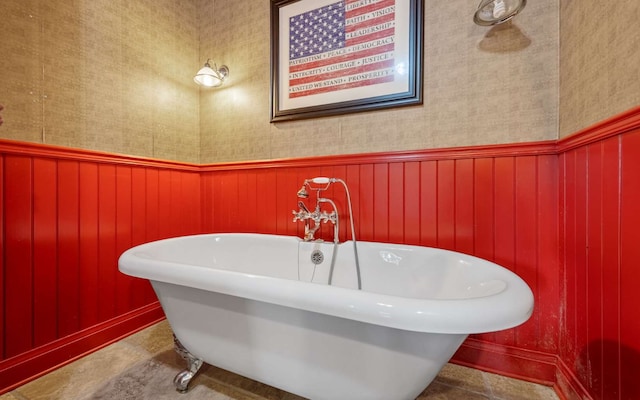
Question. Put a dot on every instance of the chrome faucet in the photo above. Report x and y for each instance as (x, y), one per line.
(317, 216)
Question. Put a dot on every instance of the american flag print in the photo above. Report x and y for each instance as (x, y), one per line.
(342, 45)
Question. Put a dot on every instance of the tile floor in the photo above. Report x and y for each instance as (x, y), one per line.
(143, 365)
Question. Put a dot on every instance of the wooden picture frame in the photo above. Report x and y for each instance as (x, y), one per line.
(333, 57)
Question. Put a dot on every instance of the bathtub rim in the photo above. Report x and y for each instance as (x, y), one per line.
(499, 311)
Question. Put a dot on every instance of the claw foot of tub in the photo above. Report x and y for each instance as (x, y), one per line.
(181, 381)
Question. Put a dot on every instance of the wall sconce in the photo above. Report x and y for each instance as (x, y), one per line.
(211, 77)
(493, 12)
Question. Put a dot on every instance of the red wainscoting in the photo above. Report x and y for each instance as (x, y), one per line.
(563, 215)
(497, 202)
(66, 217)
(600, 342)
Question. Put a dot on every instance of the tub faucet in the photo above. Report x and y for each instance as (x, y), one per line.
(303, 214)
(317, 216)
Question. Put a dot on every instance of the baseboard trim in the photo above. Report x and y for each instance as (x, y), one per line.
(567, 385)
(25, 367)
(529, 365)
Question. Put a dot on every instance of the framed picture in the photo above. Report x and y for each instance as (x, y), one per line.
(333, 57)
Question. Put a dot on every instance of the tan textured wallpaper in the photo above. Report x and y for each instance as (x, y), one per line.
(600, 61)
(482, 86)
(108, 75)
(116, 76)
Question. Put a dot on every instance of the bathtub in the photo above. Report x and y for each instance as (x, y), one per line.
(260, 306)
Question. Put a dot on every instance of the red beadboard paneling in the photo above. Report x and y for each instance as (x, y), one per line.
(593, 352)
(206, 200)
(579, 279)
(218, 220)
(165, 215)
(227, 202)
(66, 216)
(563, 215)
(548, 279)
(152, 217)
(396, 213)
(484, 208)
(124, 231)
(152, 192)
(432, 201)
(18, 262)
(177, 216)
(504, 198)
(286, 189)
(340, 196)
(568, 279)
(192, 196)
(412, 215)
(107, 242)
(245, 191)
(257, 184)
(445, 193)
(599, 349)
(366, 210)
(525, 241)
(428, 203)
(381, 202)
(583, 205)
(2, 262)
(45, 251)
(504, 231)
(68, 250)
(464, 196)
(88, 243)
(610, 238)
(629, 272)
(138, 287)
(352, 174)
(268, 182)
(484, 212)
(138, 205)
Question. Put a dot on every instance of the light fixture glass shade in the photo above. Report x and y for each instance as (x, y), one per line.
(493, 12)
(211, 77)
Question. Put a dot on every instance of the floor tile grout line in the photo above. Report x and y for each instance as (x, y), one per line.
(487, 385)
(464, 389)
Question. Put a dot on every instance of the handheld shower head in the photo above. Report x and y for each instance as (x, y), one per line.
(320, 180)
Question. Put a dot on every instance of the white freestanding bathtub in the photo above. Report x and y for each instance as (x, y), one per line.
(259, 306)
